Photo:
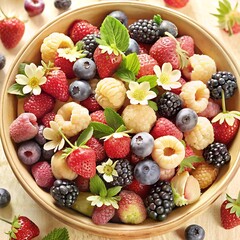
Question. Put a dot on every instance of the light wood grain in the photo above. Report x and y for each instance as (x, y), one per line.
(22, 204)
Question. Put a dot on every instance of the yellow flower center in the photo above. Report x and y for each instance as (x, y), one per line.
(139, 94)
(164, 78)
(108, 169)
(34, 82)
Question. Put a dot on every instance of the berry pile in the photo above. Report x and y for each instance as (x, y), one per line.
(110, 128)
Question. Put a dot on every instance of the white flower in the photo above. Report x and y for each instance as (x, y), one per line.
(71, 54)
(95, 200)
(57, 141)
(108, 170)
(167, 78)
(139, 93)
(32, 80)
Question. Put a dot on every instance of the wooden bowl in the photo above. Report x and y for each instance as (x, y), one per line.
(204, 41)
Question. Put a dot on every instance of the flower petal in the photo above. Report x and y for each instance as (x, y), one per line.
(100, 168)
(61, 144)
(175, 75)
(108, 178)
(27, 89)
(21, 79)
(144, 86)
(133, 85)
(50, 145)
(175, 85)
(167, 68)
(30, 70)
(36, 90)
(49, 133)
(134, 101)
(157, 70)
(144, 102)
(150, 95)
(42, 80)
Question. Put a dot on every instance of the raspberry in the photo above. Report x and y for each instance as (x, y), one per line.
(97, 147)
(39, 138)
(179, 90)
(47, 118)
(139, 118)
(146, 65)
(201, 135)
(205, 174)
(167, 174)
(98, 116)
(164, 127)
(24, 127)
(91, 104)
(211, 110)
(82, 183)
(42, 174)
(195, 95)
(102, 215)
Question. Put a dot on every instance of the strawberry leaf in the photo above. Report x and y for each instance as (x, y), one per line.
(97, 185)
(114, 120)
(152, 79)
(57, 234)
(188, 163)
(122, 128)
(152, 105)
(131, 62)
(100, 129)
(84, 136)
(125, 75)
(21, 68)
(111, 192)
(16, 89)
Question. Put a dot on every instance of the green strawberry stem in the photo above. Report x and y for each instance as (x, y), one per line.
(6, 221)
(238, 199)
(223, 102)
(1, 11)
(70, 144)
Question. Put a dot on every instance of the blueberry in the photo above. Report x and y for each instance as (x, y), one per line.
(121, 16)
(142, 144)
(194, 232)
(2, 61)
(133, 47)
(29, 152)
(186, 119)
(62, 4)
(80, 90)
(84, 68)
(147, 172)
(5, 197)
(40, 139)
(47, 154)
(167, 26)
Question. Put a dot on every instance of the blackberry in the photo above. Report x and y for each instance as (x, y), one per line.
(90, 44)
(169, 104)
(65, 192)
(125, 173)
(159, 202)
(222, 80)
(216, 154)
(62, 4)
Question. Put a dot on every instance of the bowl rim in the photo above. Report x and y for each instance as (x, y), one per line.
(59, 213)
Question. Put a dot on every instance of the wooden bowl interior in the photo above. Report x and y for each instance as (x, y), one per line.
(204, 42)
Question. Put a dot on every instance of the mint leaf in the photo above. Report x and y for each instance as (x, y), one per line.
(125, 75)
(114, 34)
(113, 191)
(101, 130)
(16, 89)
(97, 185)
(153, 105)
(131, 62)
(152, 79)
(122, 128)
(57, 234)
(114, 120)
(84, 136)
(21, 68)
(188, 162)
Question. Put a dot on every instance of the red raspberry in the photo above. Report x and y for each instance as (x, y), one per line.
(176, 3)
(146, 65)
(97, 147)
(82, 183)
(42, 174)
(98, 116)
(102, 215)
(211, 110)
(187, 44)
(179, 90)
(144, 48)
(188, 151)
(65, 65)
(134, 159)
(39, 104)
(164, 127)
(24, 127)
(91, 104)
(47, 118)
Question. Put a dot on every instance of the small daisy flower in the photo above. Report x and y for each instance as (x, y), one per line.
(140, 93)
(108, 170)
(32, 80)
(167, 78)
(56, 140)
(71, 54)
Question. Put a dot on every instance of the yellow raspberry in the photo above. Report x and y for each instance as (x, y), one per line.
(111, 93)
(72, 118)
(139, 118)
(201, 135)
(51, 44)
(168, 152)
(203, 67)
(195, 95)
(205, 174)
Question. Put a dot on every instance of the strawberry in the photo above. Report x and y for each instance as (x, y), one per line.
(97, 147)
(39, 105)
(106, 63)
(176, 3)
(82, 161)
(102, 215)
(57, 85)
(11, 31)
(230, 212)
(22, 228)
(187, 44)
(117, 147)
(228, 17)
(164, 127)
(146, 65)
(47, 118)
(91, 104)
(98, 116)
(81, 28)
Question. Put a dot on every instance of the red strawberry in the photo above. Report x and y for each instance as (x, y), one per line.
(23, 229)
(82, 183)
(83, 162)
(91, 104)
(98, 116)
(97, 147)
(80, 28)
(164, 127)
(57, 85)
(11, 31)
(176, 3)
(230, 212)
(178, 90)
(117, 147)
(47, 118)
(102, 215)
(107, 64)
(187, 44)
(39, 105)
(146, 65)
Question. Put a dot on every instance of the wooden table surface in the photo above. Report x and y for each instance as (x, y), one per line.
(22, 204)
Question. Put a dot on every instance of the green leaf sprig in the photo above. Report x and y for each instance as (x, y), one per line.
(57, 234)
(188, 163)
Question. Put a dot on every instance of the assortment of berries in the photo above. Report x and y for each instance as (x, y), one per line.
(111, 131)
